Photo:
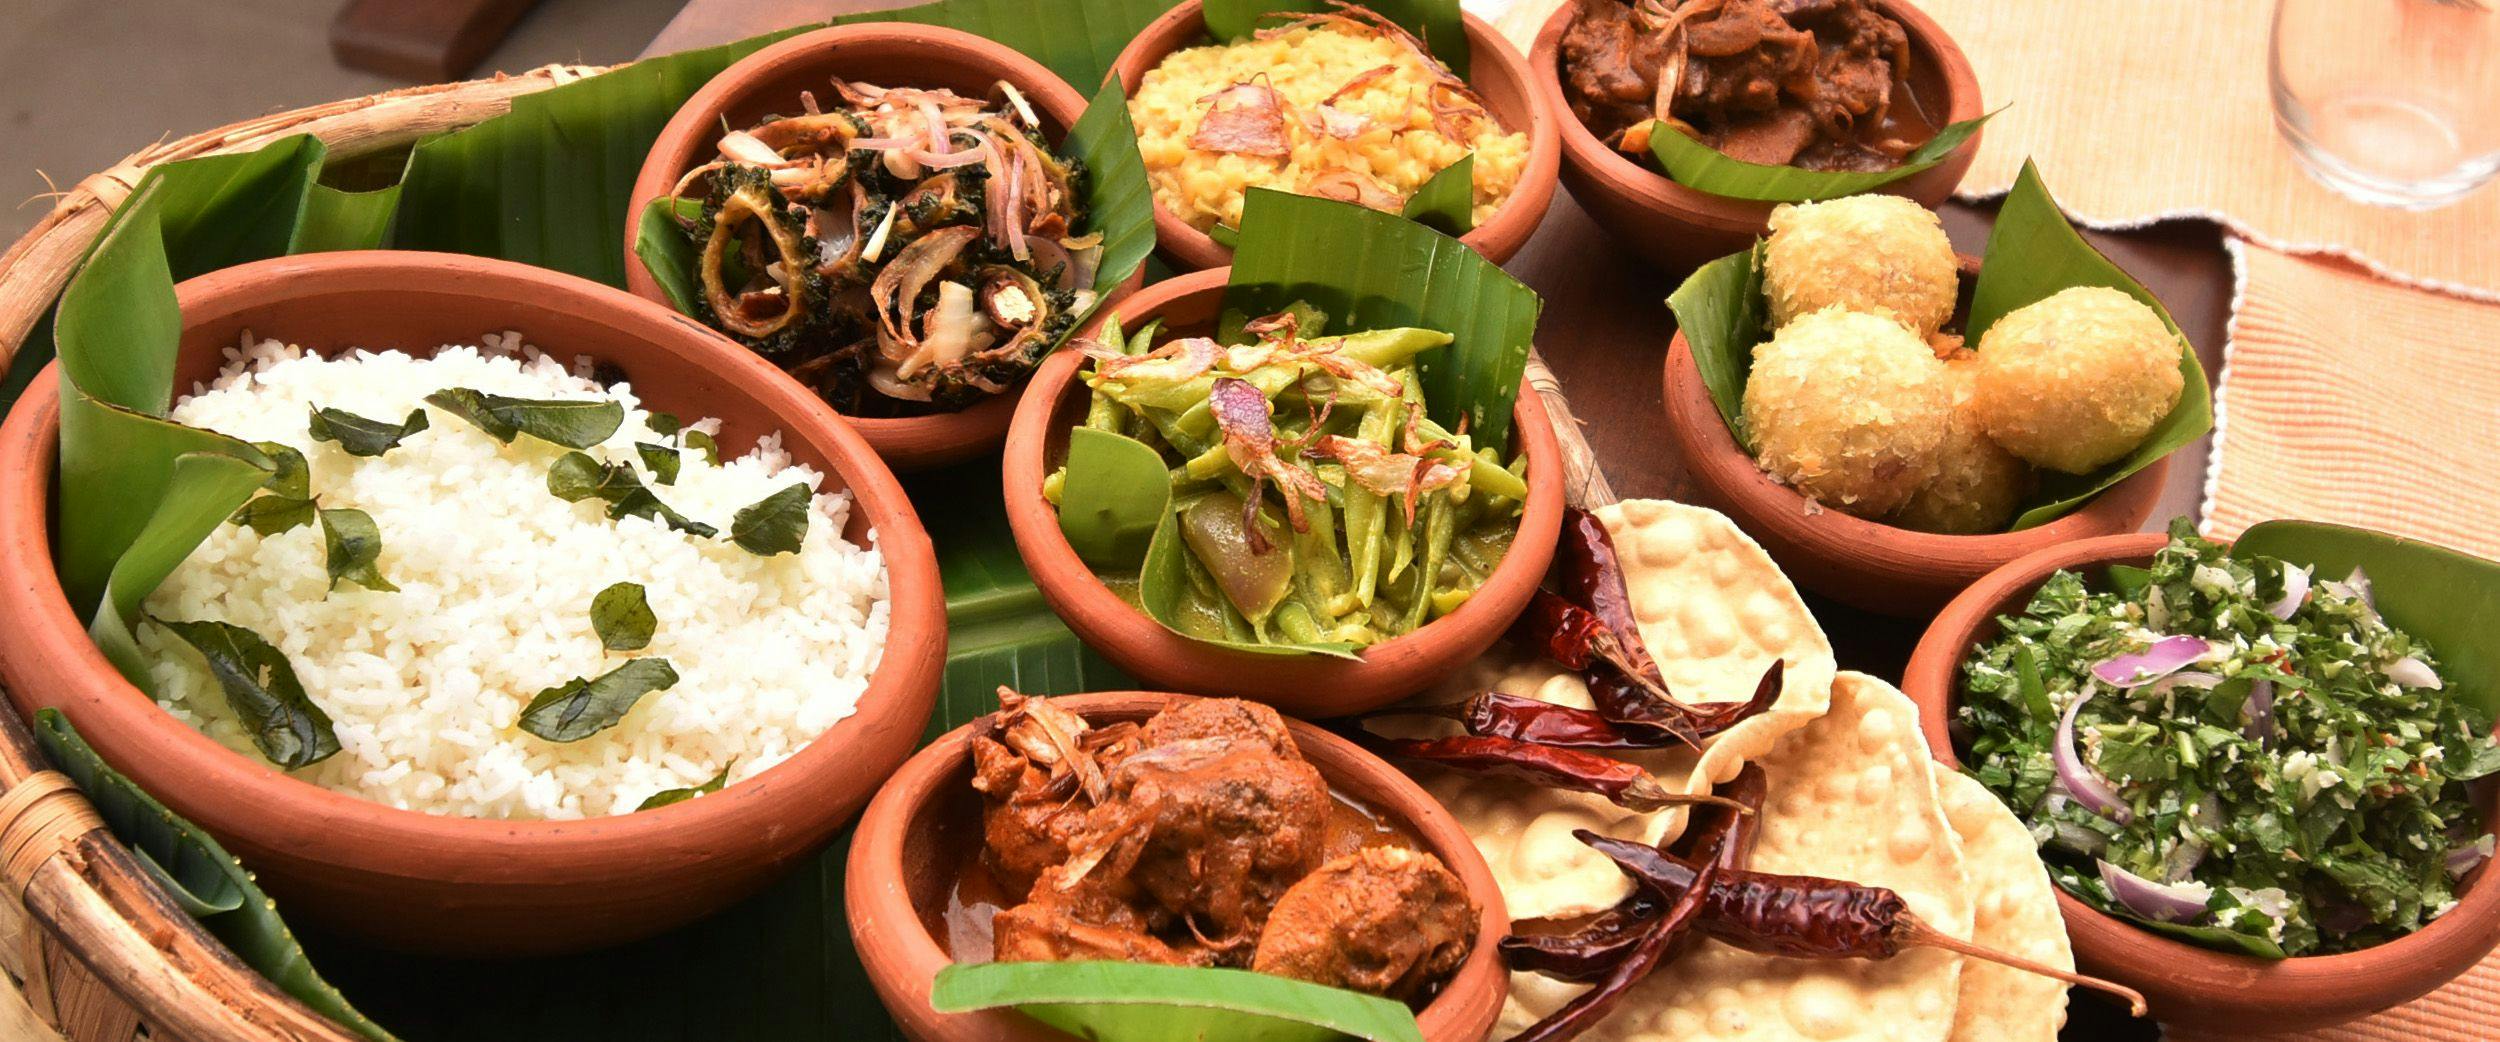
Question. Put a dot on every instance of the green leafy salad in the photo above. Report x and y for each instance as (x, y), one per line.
(2232, 751)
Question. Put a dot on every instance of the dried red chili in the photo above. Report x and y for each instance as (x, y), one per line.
(1567, 633)
(1493, 714)
(1571, 770)
(1620, 700)
(1588, 954)
(1586, 1009)
(1808, 917)
(1591, 575)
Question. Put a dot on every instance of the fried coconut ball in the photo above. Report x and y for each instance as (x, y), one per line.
(1880, 254)
(1977, 484)
(1849, 408)
(2077, 380)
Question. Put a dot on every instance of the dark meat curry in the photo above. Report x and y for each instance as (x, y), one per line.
(1198, 837)
(1818, 84)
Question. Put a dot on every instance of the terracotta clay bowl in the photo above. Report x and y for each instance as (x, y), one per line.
(2189, 986)
(458, 885)
(1497, 73)
(1301, 685)
(1679, 228)
(888, 54)
(926, 823)
(1866, 564)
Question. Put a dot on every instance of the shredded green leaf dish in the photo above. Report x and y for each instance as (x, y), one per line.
(1291, 490)
(2258, 762)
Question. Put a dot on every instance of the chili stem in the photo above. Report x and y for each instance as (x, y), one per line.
(1912, 930)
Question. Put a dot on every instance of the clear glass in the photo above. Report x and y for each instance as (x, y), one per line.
(2391, 102)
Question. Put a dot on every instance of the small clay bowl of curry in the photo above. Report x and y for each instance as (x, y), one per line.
(924, 890)
(1679, 228)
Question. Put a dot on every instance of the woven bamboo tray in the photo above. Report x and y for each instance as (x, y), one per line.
(95, 950)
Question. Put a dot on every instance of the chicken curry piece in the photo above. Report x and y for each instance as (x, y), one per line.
(1817, 84)
(1201, 837)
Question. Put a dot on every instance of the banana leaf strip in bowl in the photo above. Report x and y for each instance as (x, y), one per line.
(1702, 168)
(1138, 1002)
(1440, 24)
(2033, 253)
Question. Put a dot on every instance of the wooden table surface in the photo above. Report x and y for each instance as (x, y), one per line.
(1605, 333)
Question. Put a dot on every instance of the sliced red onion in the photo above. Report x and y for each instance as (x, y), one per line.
(883, 144)
(939, 142)
(2295, 590)
(2462, 859)
(2257, 714)
(2183, 860)
(2355, 586)
(2186, 678)
(2167, 655)
(1240, 408)
(2082, 782)
(2413, 672)
(946, 160)
(2168, 903)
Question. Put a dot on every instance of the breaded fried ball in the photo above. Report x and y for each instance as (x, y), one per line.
(1849, 408)
(2076, 380)
(1880, 254)
(1977, 483)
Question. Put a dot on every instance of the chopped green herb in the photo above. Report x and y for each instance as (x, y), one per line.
(286, 502)
(622, 616)
(576, 476)
(361, 436)
(2304, 775)
(261, 689)
(775, 524)
(570, 423)
(665, 797)
(702, 442)
(351, 544)
(661, 460)
(579, 708)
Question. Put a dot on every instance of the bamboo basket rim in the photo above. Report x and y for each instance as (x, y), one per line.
(85, 889)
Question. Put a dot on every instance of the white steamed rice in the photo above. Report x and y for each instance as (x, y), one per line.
(496, 577)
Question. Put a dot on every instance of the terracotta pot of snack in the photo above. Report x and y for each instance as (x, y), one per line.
(1496, 72)
(471, 886)
(1866, 564)
(1679, 228)
(2191, 986)
(887, 54)
(925, 825)
(1301, 685)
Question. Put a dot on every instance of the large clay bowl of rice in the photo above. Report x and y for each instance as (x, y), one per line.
(467, 795)
(1342, 115)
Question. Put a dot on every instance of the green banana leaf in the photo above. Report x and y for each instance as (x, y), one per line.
(1119, 204)
(1447, 201)
(1134, 1002)
(1370, 270)
(2048, 255)
(201, 876)
(1702, 168)
(2447, 598)
(548, 182)
(1114, 528)
(201, 491)
(1079, 41)
(2032, 253)
(1440, 23)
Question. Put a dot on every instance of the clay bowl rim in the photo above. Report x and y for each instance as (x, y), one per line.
(2190, 984)
(1373, 681)
(908, 443)
(1842, 540)
(337, 824)
(902, 957)
(1499, 238)
(1654, 191)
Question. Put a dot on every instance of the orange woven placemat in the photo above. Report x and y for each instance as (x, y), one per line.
(2351, 399)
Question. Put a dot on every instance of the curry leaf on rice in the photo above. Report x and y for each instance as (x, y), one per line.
(579, 708)
(572, 424)
(351, 549)
(285, 502)
(363, 436)
(261, 688)
(661, 460)
(576, 476)
(775, 524)
(621, 615)
(665, 797)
